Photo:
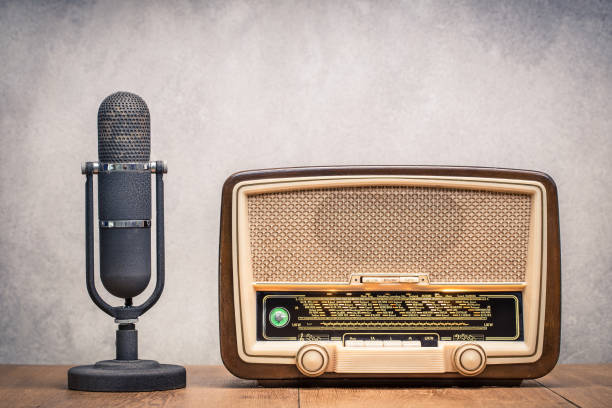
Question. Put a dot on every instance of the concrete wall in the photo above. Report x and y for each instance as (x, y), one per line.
(241, 85)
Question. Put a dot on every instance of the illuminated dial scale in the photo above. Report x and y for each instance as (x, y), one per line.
(384, 318)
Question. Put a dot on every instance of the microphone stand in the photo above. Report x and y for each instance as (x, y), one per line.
(126, 372)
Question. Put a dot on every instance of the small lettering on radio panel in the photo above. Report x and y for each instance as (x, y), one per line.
(391, 317)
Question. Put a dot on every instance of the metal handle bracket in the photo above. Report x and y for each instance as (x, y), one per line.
(123, 312)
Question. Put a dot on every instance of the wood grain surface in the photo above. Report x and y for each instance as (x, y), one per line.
(585, 385)
(214, 386)
(529, 394)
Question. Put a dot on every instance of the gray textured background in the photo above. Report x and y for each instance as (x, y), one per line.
(241, 85)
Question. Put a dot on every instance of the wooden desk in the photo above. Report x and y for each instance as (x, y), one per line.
(213, 386)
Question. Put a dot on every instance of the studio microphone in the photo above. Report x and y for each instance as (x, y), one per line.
(124, 210)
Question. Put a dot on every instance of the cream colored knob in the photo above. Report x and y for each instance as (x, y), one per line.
(470, 359)
(312, 360)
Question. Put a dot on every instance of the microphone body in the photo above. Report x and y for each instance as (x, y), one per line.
(124, 194)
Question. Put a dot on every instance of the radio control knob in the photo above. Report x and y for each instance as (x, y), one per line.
(312, 360)
(470, 359)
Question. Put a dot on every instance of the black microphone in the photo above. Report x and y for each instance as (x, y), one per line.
(124, 194)
(124, 212)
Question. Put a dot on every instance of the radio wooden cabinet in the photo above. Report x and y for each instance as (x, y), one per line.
(389, 273)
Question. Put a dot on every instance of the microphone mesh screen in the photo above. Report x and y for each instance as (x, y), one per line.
(124, 129)
(325, 235)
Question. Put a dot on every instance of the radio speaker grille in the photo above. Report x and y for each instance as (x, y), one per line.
(325, 235)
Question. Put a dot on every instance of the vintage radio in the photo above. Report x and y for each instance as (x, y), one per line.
(389, 273)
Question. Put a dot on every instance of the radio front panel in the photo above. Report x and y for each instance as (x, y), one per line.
(393, 274)
(362, 318)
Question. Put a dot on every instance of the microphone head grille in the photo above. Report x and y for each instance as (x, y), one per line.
(124, 129)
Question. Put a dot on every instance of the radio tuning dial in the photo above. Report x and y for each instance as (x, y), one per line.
(312, 360)
(470, 359)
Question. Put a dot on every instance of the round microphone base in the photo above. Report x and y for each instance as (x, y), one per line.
(126, 375)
